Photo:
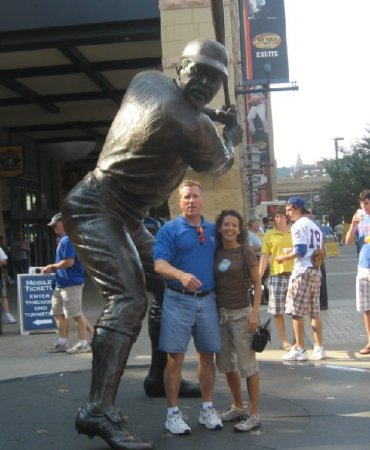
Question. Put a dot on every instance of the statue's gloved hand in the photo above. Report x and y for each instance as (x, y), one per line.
(233, 134)
(227, 116)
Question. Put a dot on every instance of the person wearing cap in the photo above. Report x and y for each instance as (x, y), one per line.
(160, 131)
(66, 300)
(303, 296)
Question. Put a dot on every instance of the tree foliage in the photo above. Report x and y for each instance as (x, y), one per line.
(349, 176)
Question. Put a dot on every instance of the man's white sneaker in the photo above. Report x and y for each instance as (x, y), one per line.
(234, 413)
(296, 354)
(79, 348)
(248, 424)
(210, 418)
(58, 348)
(8, 318)
(318, 353)
(175, 424)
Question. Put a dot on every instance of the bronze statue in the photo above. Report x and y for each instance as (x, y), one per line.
(159, 131)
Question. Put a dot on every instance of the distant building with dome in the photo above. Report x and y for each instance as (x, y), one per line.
(304, 180)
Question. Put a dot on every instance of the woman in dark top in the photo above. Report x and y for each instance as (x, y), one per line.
(236, 269)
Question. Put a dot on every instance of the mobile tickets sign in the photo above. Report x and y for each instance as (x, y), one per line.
(34, 302)
(263, 38)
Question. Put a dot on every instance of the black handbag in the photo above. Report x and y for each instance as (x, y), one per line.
(261, 337)
(263, 333)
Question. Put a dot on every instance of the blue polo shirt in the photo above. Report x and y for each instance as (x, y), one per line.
(73, 276)
(178, 243)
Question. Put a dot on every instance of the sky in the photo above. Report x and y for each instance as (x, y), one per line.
(329, 58)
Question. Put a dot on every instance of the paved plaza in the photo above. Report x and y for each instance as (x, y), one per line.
(307, 406)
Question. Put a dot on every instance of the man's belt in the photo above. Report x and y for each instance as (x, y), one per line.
(193, 294)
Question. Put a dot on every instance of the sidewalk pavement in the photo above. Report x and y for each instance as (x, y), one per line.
(306, 406)
(344, 332)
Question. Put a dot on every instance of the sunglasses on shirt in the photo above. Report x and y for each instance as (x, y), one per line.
(201, 235)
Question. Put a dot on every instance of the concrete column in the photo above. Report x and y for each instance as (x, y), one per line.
(182, 21)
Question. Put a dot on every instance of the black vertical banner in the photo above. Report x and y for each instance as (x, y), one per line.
(263, 38)
(265, 62)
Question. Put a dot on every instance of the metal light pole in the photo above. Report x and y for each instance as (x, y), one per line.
(336, 147)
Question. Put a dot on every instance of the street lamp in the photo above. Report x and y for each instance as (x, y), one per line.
(336, 147)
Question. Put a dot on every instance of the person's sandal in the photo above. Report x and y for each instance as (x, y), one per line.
(365, 351)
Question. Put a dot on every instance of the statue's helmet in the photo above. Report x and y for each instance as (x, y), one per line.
(209, 53)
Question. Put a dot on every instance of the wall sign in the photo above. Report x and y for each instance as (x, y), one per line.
(11, 160)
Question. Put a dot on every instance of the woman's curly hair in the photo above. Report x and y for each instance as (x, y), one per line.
(241, 239)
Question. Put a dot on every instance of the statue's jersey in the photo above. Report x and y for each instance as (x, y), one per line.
(153, 139)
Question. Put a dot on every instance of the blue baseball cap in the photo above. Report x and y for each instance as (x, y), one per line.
(298, 202)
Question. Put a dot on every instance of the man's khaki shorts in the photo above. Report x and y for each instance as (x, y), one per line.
(67, 301)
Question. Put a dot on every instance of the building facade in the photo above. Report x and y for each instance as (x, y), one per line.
(65, 69)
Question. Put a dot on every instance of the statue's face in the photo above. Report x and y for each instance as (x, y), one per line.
(199, 83)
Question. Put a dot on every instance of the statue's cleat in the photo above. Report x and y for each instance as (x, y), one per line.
(110, 426)
(189, 389)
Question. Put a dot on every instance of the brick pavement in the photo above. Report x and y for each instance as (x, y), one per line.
(344, 332)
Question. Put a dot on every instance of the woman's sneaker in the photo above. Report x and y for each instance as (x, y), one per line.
(233, 413)
(175, 423)
(210, 418)
(248, 424)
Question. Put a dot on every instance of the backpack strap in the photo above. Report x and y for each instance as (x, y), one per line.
(247, 275)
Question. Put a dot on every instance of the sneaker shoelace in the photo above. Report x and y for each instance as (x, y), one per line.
(179, 415)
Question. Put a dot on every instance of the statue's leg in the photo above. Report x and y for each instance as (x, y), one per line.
(111, 259)
(98, 416)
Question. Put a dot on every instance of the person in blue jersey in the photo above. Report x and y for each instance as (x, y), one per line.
(303, 296)
(360, 228)
(67, 296)
(184, 251)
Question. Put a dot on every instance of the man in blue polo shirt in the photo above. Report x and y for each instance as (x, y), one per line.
(184, 251)
(67, 296)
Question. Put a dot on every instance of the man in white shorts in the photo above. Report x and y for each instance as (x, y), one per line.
(360, 227)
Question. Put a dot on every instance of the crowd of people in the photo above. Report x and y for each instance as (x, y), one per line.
(286, 250)
(212, 301)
